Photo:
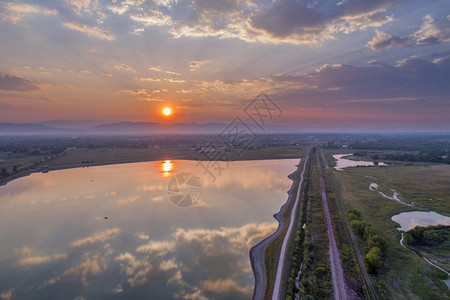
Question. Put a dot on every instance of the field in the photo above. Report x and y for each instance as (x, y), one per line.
(404, 275)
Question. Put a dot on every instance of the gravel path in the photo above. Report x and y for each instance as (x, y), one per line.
(337, 272)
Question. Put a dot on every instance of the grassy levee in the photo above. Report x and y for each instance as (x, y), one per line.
(273, 250)
(296, 250)
(404, 274)
(316, 273)
(352, 268)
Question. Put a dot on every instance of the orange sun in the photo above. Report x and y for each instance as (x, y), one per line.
(167, 111)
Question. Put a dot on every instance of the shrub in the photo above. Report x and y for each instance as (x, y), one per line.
(427, 236)
(374, 259)
(358, 227)
(354, 215)
(377, 241)
(368, 231)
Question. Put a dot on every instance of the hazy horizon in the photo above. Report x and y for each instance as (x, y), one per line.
(367, 65)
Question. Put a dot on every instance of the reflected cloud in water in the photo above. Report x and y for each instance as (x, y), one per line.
(111, 230)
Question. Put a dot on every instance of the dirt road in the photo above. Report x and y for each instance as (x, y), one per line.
(337, 272)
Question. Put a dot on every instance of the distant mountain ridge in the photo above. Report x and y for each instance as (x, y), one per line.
(28, 128)
(99, 127)
(63, 127)
(73, 124)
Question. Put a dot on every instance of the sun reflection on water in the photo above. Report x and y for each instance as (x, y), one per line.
(167, 167)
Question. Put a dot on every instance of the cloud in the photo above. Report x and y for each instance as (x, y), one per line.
(430, 33)
(117, 290)
(27, 257)
(37, 260)
(124, 68)
(90, 266)
(175, 80)
(124, 6)
(157, 248)
(16, 11)
(288, 21)
(136, 92)
(149, 188)
(129, 200)
(150, 79)
(196, 64)
(152, 18)
(143, 236)
(34, 260)
(6, 295)
(143, 95)
(223, 286)
(166, 3)
(212, 255)
(98, 237)
(15, 83)
(136, 270)
(90, 31)
(418, 80)
(83, 5)
(158, 69)
(385, 41)
(158, 198)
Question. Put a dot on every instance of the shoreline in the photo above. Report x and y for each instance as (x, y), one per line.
(257, 252)
(28, 172)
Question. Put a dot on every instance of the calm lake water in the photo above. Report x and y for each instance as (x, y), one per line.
(345, 163)
(411, 219)
(111, 232)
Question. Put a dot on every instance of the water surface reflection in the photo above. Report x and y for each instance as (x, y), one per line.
(409, 220)
(342, 162)
(111, 232)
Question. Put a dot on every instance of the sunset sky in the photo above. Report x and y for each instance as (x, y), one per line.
(369, 64)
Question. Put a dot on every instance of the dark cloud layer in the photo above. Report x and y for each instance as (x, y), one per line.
(411, 80)
(14, 83)
(314, 21)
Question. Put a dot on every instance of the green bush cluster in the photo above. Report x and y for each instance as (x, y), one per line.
(301, 242)
(427, 236)
(301, 252)
(375, 245)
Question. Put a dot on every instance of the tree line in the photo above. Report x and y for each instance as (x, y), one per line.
(375, 245)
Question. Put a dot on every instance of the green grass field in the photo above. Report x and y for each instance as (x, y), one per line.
(404, 274)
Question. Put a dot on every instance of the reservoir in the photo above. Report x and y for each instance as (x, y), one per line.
(115, 232)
